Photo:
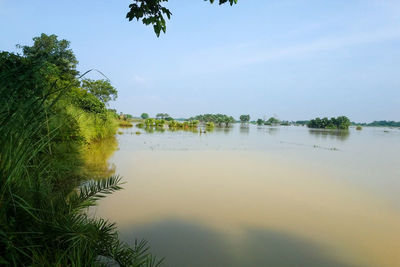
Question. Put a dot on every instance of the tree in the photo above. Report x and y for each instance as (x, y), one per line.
(102, 89)
(272, 121)
(260, 122)
(144, 116)
(48, 49)
(152, 12)
(228, 120)
(162, 116)
(244, 118)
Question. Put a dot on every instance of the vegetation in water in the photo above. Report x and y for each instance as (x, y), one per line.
(379, 124)
(48, 120)
(244, 118)
(271, 121)
(339, 123)
(385, 123)
(125, 123)
(217, 119)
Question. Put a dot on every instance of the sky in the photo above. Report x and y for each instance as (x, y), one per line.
(293, 59)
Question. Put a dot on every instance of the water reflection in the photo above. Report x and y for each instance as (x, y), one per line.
(207, 247)
(225, 130)
(96, 157)
(341, 135)
(268, 129)
(244, 129)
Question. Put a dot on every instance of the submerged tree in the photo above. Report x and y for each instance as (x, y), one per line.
(244, 118)
(340, 123)
(272, 121)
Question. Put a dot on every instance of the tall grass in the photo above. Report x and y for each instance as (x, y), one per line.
(43, 199)
(93, 126)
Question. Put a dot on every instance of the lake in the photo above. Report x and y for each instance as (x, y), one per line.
(260, 196)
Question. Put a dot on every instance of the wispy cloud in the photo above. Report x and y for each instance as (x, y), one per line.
(237, 56)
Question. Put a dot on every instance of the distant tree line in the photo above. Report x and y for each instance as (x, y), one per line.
(340, 123)
(380, 124)
(302, 122)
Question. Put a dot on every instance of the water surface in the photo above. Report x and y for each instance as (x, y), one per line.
(261, 196)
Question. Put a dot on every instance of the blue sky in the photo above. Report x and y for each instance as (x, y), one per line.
(294, 59)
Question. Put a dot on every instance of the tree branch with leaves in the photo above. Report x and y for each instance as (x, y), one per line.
(153, 12)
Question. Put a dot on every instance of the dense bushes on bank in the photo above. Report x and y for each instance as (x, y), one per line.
(46, 121)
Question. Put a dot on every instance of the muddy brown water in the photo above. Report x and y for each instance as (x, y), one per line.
(260, 196)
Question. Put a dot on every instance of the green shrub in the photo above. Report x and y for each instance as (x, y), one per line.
(43, 192)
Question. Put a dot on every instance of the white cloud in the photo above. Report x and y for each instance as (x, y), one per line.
(236, 56)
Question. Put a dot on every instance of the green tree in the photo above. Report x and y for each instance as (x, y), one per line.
(260, 122)
(272, 121)
(244, 118)
(144, 116)
(47, 49)
(162, 116)
(341, 123)
(102, 89)
(152, 12)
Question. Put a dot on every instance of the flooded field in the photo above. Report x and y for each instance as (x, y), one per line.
(260, 196)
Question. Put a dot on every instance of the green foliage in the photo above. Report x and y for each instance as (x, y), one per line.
(260, 122)
(272, 121)
(144, 116)
(86, 101)
(162, 116)
(44, 193)
(152, 12)
(219, 119)
(56, 53)
(385, 123)
(123, 123)
(340, 123)
(150, 122)
(102, 89)
(160, 123)
(244, 118)
(210, 124)
(358, 128)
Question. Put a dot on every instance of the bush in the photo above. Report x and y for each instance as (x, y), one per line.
(340, 123)
(43, 192)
